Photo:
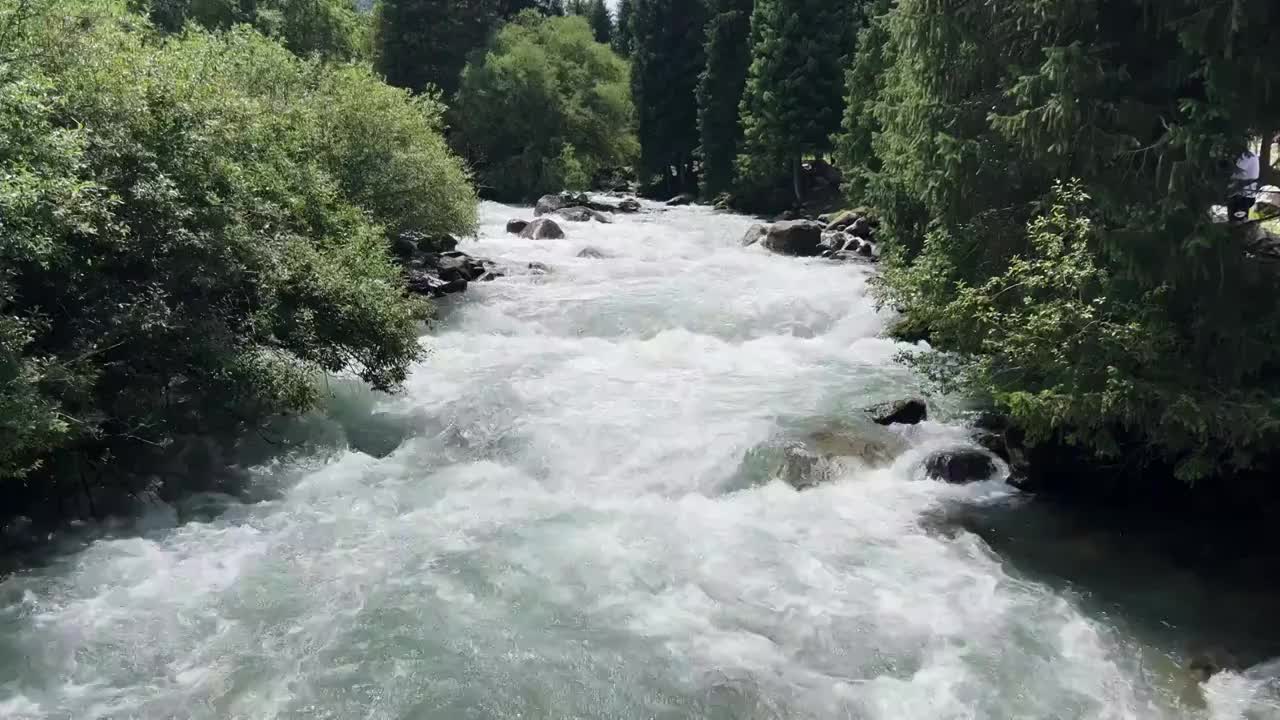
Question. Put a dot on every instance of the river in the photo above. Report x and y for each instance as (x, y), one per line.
(564, 528)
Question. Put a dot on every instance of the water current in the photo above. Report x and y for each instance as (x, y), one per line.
(562, 527)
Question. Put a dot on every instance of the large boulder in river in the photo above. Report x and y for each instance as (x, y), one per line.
(582, 214)
(801, 238)
(516, 226)
(548, 204)
(826, 454)
(754, 233)
(629, 205)
(960, 466)
(542, 229)
(908, 411)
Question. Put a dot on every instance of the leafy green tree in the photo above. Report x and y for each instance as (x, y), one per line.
(667, 59)
(623, 38)
(196, 231)
(546, 107)
(794, 94)
(720, 89)
(983, 111)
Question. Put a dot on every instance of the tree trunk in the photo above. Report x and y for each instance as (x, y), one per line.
(797, 178)
(1267, 175)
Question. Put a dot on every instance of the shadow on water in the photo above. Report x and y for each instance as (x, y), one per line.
(1196, 597)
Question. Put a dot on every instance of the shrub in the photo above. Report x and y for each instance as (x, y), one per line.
(546, 104)
(195, 229)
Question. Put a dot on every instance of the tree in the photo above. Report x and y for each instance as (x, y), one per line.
(425, 43)
(794, 93)
(1146, 332)
(623, 38)
(666, 62)
(601, 21)
(719, 92)
(546, 107)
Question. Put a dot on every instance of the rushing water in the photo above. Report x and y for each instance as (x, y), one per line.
(563, 530)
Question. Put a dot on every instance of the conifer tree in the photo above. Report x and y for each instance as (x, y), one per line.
(601, 21)
(622, 33)
(794, 92)
(666, 62)
(720, 89)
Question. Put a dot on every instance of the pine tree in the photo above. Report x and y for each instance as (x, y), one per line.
(720, 89)
(601, 21)
(623, 38)
(666, 62)
(795, 93)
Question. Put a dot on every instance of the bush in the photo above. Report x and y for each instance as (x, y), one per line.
(193, 234)
(547, 104)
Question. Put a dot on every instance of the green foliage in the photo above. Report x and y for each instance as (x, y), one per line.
(794, 93)
(329, 28)
(546, 106)
(192, 236)
(667, 58)
(719, 93)
(963, 119)
(421, 44)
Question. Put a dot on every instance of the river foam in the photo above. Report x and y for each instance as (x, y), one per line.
(561, 533)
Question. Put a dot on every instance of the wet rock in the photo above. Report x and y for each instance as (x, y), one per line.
(592, 253)
(841, 220)
(548, 204)
(404, 247)
(823, 455)
(867, 250)
(800, 238)
(422, 282)
(907, 411)
(538, 268)
(786, 215)
(542, 229)
(960, 466)
(515, 226)
(754, 233)
(681, 199)
(583, 214)
(626, 205)
(860, 227)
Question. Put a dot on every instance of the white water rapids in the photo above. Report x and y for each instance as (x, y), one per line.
(566, 532)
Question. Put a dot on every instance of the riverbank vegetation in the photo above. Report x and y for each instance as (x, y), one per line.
(195, 231)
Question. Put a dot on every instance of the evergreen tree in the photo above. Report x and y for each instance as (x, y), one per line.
(720, 89)
(601, 22)
(623, 37)
(1046, 180)
(794, 94)
(666, 62)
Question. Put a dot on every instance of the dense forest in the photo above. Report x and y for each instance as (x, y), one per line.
(199, 197)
